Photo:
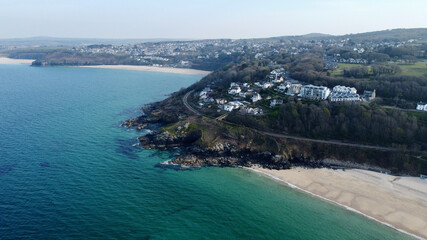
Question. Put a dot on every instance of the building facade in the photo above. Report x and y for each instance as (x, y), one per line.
(314, 92)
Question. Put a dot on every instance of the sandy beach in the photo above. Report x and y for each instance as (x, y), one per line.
(5, 60)
(153, 69)
(399, 202)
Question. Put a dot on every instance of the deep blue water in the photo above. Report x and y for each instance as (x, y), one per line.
(68, 171)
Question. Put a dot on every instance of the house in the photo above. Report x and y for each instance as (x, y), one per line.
(282, 87)
(294, 89)
(422, 106)
(234, 90)
(369, 95)
(243, 94)
(259, 84)
(314, 92)
(277, 75)
(251, 111)
(228, 107)
(255, 111)
(208, 100)
(267, 85)
(275, 102)
(278, 80)
(205, 93)
(256, 97)
(220, 101)
(232, 105)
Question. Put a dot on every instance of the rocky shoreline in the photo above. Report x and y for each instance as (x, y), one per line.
(224, 153)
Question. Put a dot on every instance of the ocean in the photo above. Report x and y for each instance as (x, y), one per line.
(69, 171)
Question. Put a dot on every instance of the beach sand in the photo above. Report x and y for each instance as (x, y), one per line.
(153, 69)
(399, 202)
(5, 60)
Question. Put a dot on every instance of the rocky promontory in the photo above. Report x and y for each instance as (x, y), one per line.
(223, 153)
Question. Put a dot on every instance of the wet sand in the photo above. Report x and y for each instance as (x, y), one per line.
(398, 202)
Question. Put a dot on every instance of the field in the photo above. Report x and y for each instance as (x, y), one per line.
(417, 69)
(339, 71)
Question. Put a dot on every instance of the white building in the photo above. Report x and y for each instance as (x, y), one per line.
(278, 80)
(256, 97)
(220, 101)
(259, 84)
(232, 105)
(314, 92)
(344, 97)
(234, 90)
(267, 85)
(282, 87)
(422, 106)
(344, 89)
(294, 89)
(344, 94)
(252, 111)
(243, 94)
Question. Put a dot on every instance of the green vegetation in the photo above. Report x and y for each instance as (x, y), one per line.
(33, 53)
(339, 72)
(369, 124)
(418, 69)
(407, 69)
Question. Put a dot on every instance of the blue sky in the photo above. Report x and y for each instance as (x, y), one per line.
(200, 19)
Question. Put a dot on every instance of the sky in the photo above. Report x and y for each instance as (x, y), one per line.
(203, 19)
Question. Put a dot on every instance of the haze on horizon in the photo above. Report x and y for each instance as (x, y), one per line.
(202, 19)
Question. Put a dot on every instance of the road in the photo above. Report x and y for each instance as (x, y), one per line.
(185, 100)
(280, 135)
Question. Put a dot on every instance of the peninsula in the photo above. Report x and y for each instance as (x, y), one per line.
(318, 109)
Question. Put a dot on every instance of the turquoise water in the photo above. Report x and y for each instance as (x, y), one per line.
(68, 171)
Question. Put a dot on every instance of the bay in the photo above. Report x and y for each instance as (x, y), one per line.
(69, 171)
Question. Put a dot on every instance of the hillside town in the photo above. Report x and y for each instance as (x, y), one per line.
(204, 54)
(257, 97)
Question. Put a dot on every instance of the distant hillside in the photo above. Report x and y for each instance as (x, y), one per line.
(389, 35)
(394, 34)
(55, 42)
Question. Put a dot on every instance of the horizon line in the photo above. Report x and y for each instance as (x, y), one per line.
(200, 39)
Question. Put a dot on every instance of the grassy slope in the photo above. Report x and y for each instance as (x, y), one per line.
(339, 72)
(416, 69)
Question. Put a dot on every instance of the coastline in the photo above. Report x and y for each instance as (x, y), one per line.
(397, 202)
(6, 60)
(152, 69)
